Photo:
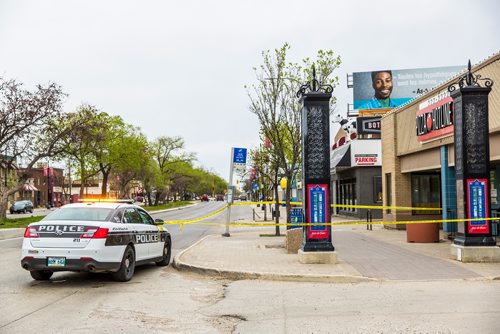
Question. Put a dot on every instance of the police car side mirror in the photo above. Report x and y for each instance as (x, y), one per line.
(159, 221)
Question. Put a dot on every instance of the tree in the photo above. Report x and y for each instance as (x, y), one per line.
(167, 151)
(150, 176)
(82, 145)
(31, 126)
(115, 152)
(273, 100)
(131, 159)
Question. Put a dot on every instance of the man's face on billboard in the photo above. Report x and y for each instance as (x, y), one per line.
(382, 85)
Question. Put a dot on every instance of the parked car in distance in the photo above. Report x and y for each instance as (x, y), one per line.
(219, 197)
(236, 197)
(243, 197)
(204, 198)
(22, 207)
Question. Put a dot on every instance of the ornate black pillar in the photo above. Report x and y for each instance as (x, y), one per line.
(316, 165)
(472, 159)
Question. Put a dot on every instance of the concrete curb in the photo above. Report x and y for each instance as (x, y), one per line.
(242, 275)
(10, 233)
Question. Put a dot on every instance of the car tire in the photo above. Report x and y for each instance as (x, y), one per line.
(41, 275)
(167, 251)
(127, 267)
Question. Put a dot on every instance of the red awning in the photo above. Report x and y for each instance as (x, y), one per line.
(29, 187)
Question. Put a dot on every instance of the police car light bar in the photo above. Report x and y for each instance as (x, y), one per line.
(109, 200)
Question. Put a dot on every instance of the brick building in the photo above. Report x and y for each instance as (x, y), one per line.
(418, 160)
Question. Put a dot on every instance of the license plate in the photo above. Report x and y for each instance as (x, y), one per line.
(56, 261)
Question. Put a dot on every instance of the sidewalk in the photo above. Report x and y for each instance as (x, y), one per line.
(377, 255)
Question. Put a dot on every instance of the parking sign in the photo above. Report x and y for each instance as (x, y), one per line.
(240, 156)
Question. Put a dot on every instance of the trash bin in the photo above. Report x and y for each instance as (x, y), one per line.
(423, 233)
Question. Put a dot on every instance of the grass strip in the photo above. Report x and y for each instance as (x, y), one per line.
(19, 222)
(166, 206)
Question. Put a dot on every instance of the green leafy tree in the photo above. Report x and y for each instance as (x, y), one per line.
(273, 100)
(151, 178)
(168, 151)
(83, 144)
(130, 162)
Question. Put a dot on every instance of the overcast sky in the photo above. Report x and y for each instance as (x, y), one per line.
(178, 68)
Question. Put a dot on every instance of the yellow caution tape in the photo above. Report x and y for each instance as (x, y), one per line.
(190, 221)
(355, 206)
(345, 223)
(198, 219)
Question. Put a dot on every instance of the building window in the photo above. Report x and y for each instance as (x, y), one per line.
(388, 192)
(426, 193)
(377, 189)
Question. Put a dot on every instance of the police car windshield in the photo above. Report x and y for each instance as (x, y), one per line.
(93, 214)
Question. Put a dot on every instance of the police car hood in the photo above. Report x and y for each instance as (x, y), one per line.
(63, 234)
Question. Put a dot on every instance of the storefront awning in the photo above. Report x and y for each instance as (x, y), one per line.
(341, 156)
(29, 187)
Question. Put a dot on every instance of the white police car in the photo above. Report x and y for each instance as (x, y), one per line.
(96, 237)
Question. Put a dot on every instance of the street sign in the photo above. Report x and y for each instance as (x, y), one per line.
(296, 217)
(317, 210)
(240, 156)
(477, 205)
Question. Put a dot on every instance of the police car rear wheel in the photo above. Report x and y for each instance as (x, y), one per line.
(41, 275)
(127, 267)
(167, 248)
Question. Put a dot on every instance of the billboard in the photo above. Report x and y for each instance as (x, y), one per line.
(392, 88)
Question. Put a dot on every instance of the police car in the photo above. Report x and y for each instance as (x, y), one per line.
(95, 237)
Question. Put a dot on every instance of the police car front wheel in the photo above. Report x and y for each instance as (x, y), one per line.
(127, 267)
(41, 275)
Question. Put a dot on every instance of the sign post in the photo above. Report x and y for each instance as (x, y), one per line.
(316, 172)
(238, 160)
(472, 164)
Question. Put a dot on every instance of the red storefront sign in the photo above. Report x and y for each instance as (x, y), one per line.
(365, 159)
(435, 120)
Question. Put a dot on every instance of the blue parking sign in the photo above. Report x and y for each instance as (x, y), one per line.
(240, 155)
